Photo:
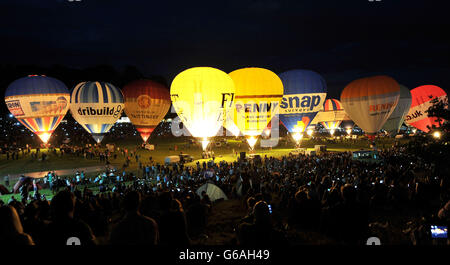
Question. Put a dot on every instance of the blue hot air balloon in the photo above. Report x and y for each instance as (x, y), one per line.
(39, 103)
(304, 95)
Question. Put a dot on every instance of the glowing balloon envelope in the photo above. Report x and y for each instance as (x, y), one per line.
(370, 101)
(421, 102)
(395, 121)
(200, 96)
(257, 99)
(146, 104)
(304, 94)
(332, 106)
(39, 103)
(96, 106)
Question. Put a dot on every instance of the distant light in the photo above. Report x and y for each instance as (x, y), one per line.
(205, 143)
(45, 137)
(348, 130)
(309, 132)
(297, 137)
(414, 130)
(252, 141)
(437, 134)
(10, 115)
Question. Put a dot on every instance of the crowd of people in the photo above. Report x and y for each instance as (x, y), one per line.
(329, 194)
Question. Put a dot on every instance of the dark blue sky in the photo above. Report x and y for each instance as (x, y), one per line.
(342, 40)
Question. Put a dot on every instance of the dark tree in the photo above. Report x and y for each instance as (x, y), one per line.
(441, 111)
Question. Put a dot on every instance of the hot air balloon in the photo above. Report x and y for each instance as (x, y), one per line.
(146, 104)
(229, 123)
(39, 103)
(257, 100)
(395, 121)
(200, 96)
(96, 106)
(370, 101)
(304, 94)
(421, 102)
(332, 105)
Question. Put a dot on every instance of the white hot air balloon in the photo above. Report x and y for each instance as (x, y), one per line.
(96, 106)
(395, 121)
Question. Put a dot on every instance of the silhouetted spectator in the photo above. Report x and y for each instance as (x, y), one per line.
(134, 229)
(260, 232)
(11, 230)
(64, 225)
(172, 224)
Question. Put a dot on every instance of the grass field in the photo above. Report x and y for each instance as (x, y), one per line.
(163, 148)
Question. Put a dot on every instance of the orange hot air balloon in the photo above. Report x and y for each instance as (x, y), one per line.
(146, 104)
(370, 101)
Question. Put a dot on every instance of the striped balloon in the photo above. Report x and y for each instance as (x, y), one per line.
(332, 105)
(39, 103)
(96, 106)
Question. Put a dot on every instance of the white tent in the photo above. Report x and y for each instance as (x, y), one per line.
(214, 192)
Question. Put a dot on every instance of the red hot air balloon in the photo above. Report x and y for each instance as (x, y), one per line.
(146, 104)
(421, 102)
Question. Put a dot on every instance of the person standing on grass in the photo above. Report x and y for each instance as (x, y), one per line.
(6, 179)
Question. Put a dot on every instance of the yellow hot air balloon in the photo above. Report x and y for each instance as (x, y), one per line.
(201, 96)
(258, 95)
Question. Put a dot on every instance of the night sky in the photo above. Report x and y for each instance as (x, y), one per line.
(342, 40)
